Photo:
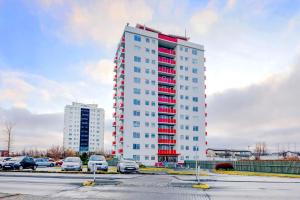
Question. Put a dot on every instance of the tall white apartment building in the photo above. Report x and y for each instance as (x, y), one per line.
(159, 97)
(84, 127)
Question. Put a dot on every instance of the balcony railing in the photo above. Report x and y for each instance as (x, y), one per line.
(166, 90)
(122, 117)
(120, 150)
(115, 95)
(166, 100)
(123, 39)
(166, 141)
(115, 68)
(115, 105)
(115, 86)
(114, 114)
(166, 152)
(167, 120)
(114, 124)
(166, 51)
(121, 139)
(122, 73)
(166, 70)
(166, 80)
(113, 152)
(167, 131)
(167, 38)
(166, 60)
(122, 128)
(167, 110)
(114, 143)
(115, 77)
(114, 133)
(122, 105)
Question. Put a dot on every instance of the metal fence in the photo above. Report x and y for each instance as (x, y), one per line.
(284, 167)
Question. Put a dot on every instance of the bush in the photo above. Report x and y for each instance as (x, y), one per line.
(224, 166)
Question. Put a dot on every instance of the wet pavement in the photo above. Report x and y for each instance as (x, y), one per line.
(18, 185)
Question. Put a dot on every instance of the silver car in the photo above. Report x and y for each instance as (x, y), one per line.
(127, 165)
(72, 164)
(97, 162)
(3, 160)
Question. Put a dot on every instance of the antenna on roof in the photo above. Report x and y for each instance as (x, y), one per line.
(185, 32)
(127, 24)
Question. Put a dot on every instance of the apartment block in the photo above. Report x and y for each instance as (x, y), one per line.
(159, 97)
(83, 127)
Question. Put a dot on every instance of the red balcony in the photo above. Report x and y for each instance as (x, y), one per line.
(114, 114)
(115, 68)
(123, 39)
(115, 86)
(166, 61)
(114, 123)
(121, 105)
(122, 117)
(122, 73)
(115, 77)
(121, 139)
(115, 105)
(167, 38)
(115, 95)
(166, 51)
(166, 90)
(166, 141)
(167, 110)
(114, 133)
(168, 81)
(122, 95)
(123, 50)
(165, 70)
(167, 152)
(114, 143)
(166, 100)
(113, 152)
(122, 128)
(120, 150)
(167, 121)
(123, 61)
(122, 83)
(166, 131)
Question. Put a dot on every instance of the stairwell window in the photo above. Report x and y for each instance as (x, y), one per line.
(137, 38)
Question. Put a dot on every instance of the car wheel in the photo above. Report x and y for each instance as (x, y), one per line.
(51, 165)
(34, 167)
(106, 170)
(21, 167)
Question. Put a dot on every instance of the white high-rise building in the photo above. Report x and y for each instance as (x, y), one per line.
(84, 127)
(159, 97)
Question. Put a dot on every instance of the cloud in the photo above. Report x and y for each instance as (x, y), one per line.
(268, 111)
(230, 4)
(202, 21)
(101, 71)
(99, 22)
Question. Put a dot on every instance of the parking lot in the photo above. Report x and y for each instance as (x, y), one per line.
(27, 185)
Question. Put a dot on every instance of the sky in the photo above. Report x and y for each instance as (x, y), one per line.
(54, 52)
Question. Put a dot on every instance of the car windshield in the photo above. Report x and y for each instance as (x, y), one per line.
(17, 159)
(72, 159)
(128, 159)
(97, 158)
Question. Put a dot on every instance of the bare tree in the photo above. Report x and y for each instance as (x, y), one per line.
(260, 149)
(8, 131)
(55, 152)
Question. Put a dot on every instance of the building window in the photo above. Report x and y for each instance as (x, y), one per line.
(136, 135)
(186, 49)
(136, 157)
(153, 62)
(147, 60)
(153, 72)
(147, 50)
(195, 80)
(187, 137)
(147, 113)
(194, 51)
(147, 40)
(137, 59)
(136, 91)
(137, 38)
(136, 124)
(136, 113)
(146, 157)
(136, 80)
(152, 157)
(195, 99)
(137, 69)
(195, 138)
(195, 128)
(187, 148)
(136, 146)
(136, 47)
(195, 148)
(147, 103)
(146, 135)
(136, 102)
(152, 146)
(195, 109)
(182, 147)
(153, 51)
(146, 146)
(194, 61)
(152, 135)
(194, 70)
(147, 92)
(147, 71)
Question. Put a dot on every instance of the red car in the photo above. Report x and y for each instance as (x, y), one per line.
(59, 162)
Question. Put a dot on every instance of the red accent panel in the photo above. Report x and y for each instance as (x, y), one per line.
(168, 38)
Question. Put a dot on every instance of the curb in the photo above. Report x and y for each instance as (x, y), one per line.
(201, 186)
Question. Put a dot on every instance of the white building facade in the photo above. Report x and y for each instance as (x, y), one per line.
(83, 128)
(159, 98)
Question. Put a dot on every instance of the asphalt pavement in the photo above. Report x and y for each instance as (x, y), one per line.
(26, 185)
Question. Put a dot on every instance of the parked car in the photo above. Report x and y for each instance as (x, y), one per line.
(72, 164)
(97, 161)
(59, 162)
(3, 160)
(127, 165)
(44, 162)
(19, 163)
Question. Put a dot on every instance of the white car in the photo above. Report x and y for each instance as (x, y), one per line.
(97, 162)
(72, 164)
(127, 165)
(3, 160)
